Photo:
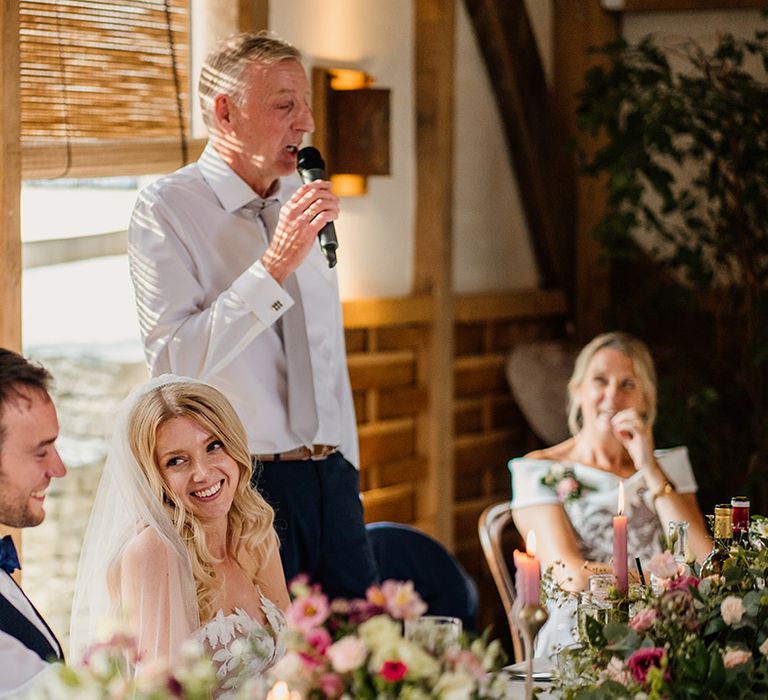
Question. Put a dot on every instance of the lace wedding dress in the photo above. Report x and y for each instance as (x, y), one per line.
(241, 647)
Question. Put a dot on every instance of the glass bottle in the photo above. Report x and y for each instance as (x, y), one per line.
(740, 505)
(677, 536)
(723, 535)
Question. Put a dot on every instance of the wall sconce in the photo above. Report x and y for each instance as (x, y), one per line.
(351, 127)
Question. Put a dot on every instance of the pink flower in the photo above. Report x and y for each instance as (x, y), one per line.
(331, 685)
(681, 583)
(663, 565)
(735, 657)
(308, 612)
(732, 610)
(616, 671)
(643, 620)
(466, 660)
(393, 671)
(348, 654)
(319, 639)
(643, 660)
(566, 487)
(402, 601)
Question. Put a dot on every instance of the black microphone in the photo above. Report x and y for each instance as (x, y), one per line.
(312, 167)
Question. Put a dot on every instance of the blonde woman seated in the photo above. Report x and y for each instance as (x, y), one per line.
(568, 493)
(179, 546)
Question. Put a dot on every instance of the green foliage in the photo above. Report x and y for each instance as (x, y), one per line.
(690, 639)
(683, 137)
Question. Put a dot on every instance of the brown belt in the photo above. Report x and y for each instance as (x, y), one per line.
(300, 454)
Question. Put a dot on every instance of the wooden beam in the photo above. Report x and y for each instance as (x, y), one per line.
(434, 79)
(253, 15)
(10, 187)
(579, 25)
(10, 179)
(542, 163)
(677, 5)
(525, 303)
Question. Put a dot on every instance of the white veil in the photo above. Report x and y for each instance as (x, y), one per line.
(134, 568)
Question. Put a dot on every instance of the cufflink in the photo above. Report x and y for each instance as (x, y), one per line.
(277, 305)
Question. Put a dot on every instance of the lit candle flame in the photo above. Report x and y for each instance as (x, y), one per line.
(279, 691)
(530, 544)
(621, 498)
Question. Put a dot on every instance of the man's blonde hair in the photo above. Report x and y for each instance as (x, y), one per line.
(222, 72)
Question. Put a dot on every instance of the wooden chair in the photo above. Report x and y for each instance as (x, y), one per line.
(491, 525)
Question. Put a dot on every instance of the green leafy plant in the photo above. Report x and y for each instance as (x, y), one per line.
(683, 136)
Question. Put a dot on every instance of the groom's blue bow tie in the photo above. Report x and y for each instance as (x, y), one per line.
(9, 560)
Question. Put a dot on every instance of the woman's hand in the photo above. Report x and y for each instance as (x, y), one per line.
(635, 434)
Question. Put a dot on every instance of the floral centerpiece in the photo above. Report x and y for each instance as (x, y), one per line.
(356, 649)
(689, 638)
(104, 673)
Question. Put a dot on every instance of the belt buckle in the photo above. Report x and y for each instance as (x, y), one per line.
(320, 452)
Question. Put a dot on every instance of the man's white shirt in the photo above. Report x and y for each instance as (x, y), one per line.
(207, 307)
(21, 667)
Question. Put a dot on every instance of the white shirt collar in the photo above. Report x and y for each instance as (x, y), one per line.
(230, 189)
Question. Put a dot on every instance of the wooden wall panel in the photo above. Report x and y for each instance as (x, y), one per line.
(393, 399)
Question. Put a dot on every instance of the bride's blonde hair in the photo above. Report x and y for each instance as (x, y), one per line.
(250, 517)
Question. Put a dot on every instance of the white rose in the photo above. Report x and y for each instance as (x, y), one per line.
(732, 610)
(557, 470)
(379, 630)
(454, 686)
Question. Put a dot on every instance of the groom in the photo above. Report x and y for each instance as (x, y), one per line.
(28, 462)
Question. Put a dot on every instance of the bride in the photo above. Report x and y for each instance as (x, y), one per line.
(179, 545)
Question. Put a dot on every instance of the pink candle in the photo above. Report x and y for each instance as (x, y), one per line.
(527, 572)
(620, 545)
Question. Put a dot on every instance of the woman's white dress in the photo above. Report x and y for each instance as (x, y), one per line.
(591, 515)
(241, 647)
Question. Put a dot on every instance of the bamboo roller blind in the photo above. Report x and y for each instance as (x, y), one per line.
(101, 81)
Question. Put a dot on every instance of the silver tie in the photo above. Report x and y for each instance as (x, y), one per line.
(302, 413)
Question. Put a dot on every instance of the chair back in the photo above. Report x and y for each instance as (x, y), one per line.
(491, 525)
(405, 553)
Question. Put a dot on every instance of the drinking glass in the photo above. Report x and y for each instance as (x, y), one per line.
(435, 633)
(740, 515)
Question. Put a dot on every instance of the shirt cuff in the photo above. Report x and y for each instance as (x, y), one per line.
(262, 293)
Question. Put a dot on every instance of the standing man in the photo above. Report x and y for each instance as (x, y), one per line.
(28, 462)
(232, 288)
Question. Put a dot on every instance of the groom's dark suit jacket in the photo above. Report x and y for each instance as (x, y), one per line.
(17, 625)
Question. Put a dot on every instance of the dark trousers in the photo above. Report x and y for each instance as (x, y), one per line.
(319, 520)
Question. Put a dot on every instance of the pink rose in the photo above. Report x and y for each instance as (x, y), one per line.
(643, 660)
(348, 654)
(732, 610)
(318, 639)
(308, 612)
(681, 583)
(566, 487)
(735, 657)
(616, 671)
(663, 565)
(402, 601)
(331, 685)
(393, 671)
(643, 620)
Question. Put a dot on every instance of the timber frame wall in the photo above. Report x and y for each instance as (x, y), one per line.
(389, 353)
